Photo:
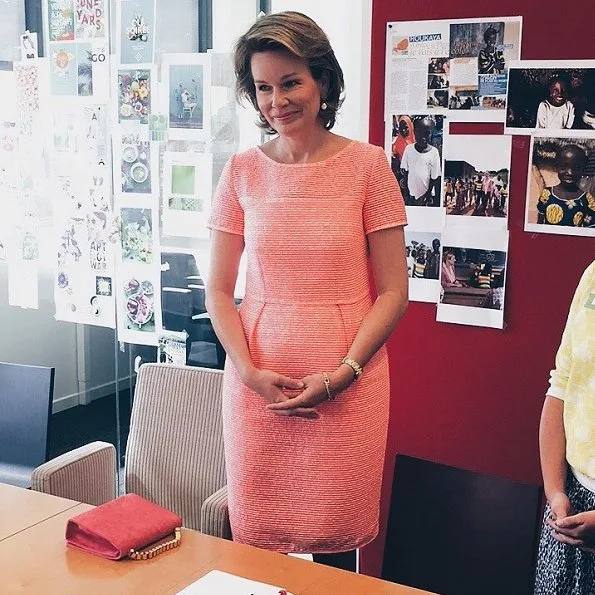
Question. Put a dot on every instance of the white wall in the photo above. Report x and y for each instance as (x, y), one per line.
(232, 18)
(348, 24)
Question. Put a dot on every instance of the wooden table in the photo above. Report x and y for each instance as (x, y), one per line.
(20, 508)
(36, 560)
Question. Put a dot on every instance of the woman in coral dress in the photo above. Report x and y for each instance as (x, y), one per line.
(306, 388)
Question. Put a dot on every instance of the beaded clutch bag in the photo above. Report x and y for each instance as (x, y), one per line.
(121, 527)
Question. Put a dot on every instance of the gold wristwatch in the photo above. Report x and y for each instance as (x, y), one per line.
(357, 369)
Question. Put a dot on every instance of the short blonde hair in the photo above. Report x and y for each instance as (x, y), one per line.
(299, 35)
(446, 254)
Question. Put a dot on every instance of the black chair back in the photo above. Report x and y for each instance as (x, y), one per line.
(26, 395)
(456, 532)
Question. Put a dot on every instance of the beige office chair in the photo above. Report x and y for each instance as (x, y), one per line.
(174, 455)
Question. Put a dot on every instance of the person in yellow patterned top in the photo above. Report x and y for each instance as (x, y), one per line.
(566, 560)
(567, 203)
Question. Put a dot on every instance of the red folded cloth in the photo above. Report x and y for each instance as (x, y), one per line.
(114, 528)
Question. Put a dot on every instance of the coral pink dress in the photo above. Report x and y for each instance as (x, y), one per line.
(298, 485)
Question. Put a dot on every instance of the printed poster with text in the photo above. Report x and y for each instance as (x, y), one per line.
(78, 47)
(136, 31)
(458, 67)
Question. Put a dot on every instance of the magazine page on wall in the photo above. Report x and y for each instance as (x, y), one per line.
(455, 67)
(554, 95)
(477, 181)
(561, 186)
(414, 145)
(77, 42)
(473, 277)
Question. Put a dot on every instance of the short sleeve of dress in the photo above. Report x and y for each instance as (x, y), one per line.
(384, 206)
(227, 213)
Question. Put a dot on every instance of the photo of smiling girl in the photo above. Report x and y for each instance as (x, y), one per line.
(559, 195)
(556, 111)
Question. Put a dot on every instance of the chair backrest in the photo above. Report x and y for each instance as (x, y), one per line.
(174, 455)
(26, 395)
(457, 532)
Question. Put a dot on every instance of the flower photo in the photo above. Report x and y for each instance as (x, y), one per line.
(134, 95)
(137, 235)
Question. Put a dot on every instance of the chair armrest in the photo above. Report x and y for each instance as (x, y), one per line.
(86, 474)
(214, 515)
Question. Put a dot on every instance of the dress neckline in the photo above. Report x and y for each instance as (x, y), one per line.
(566, 199)
(321, 162)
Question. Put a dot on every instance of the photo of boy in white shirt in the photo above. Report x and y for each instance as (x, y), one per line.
(421, 168)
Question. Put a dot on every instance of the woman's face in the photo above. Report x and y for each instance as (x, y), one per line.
(403, 128)
(288, 96)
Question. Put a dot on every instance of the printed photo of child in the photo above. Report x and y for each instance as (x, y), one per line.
(551, 96)
(556, 110)
(560, 186)
(491, 57)
(421, 166)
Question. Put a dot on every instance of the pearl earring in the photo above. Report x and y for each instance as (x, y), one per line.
(323, 105)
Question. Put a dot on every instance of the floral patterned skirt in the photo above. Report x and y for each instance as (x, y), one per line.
(563, 569)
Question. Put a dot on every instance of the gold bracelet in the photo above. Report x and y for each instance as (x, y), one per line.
(357, 369)
(327, 386)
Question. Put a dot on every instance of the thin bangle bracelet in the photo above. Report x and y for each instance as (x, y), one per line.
(327, 386)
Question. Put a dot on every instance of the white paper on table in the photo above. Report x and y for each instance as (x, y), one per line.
(187, 190)
(229, 584)
(478, 248)
(466, 158)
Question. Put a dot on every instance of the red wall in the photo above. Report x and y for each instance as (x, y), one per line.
(466, 396)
